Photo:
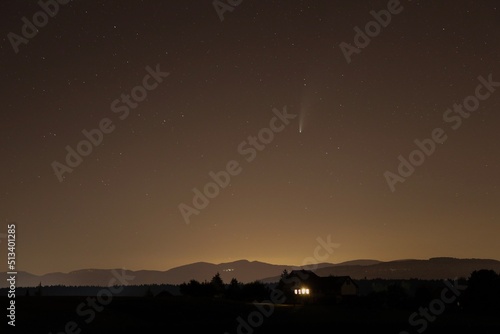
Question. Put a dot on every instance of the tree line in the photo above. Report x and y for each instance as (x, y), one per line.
(481, 291)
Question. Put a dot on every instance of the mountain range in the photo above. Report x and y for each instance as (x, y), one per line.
(247, 271)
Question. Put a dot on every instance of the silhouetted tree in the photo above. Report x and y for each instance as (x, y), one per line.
(191, 288)
(255, 291)
(483, 290)
(149, 293)
(197, 289)
(38, 291)
(234, 289)
(284, 274)
(282, 286)
(217, 284)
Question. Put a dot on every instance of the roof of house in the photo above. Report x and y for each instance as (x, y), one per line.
(329, 282)
(302, 273)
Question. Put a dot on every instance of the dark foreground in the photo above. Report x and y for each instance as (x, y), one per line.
(186, 315)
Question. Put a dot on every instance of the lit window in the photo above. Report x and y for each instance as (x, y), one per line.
(301, 291)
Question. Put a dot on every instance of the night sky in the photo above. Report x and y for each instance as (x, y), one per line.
(324, 173)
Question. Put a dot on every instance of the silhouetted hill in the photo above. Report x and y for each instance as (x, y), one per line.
(248, 271)
(358, 263)
(434, 268)
(243, 270)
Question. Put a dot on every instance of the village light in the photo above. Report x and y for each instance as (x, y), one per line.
(301, 291)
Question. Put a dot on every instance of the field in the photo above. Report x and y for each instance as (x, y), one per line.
(186, 315)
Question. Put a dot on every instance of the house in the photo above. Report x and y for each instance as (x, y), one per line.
(305, 285)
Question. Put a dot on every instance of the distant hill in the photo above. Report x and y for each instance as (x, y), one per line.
(358, 263)
(248, 271)
(243, 270)
(434, 268)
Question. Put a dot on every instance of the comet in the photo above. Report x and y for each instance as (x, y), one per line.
(302, 115)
